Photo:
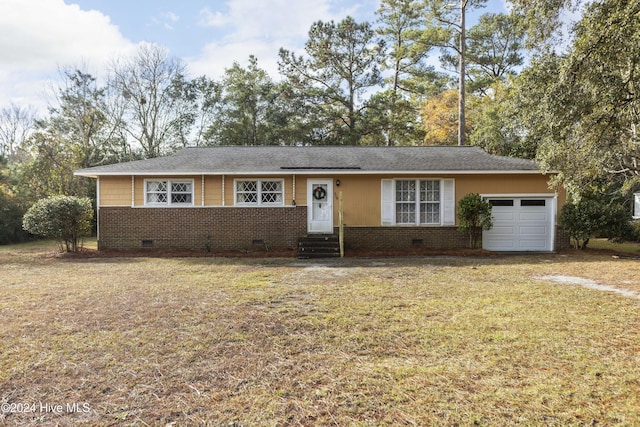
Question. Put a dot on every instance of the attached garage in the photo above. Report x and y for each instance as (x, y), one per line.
(521, 224)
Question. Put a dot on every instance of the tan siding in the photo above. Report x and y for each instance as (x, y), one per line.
(197, 190)
(301, 190)
(115, 191)
(501, 184)
(229, 183)
(212, 191)
(361, 197)
(138, 194)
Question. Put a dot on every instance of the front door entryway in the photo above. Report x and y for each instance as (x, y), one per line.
(320, 206)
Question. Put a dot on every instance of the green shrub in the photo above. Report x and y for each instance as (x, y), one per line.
(594, 217)
(635, 231)
(474, 215)
(65, 218)
(11, 212)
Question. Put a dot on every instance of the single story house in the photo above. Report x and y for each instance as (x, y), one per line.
(223, 198)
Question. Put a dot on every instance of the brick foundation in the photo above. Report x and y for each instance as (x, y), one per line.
(404, 237)
(233, 228)
(198, 228)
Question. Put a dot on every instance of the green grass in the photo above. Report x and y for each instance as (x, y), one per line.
(625, 247)
(364, 342)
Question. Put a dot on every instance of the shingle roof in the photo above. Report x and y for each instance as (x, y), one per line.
(285, 160)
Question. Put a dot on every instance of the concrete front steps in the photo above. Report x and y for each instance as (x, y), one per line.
(319, 246)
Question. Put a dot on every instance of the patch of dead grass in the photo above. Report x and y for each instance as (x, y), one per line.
(404, 341)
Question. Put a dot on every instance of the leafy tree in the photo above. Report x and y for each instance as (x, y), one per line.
(341, 63)
(497, 123)
(579, 221)
(494, 51)
(491, 131)
(249, 111)
(585, 110)
(11, 211)
(75, 135)
(402, 28)
(440, 119)
(392, 121)
(543, 21)
(146, 100)
(16, 124)
(593, 216)
(80, 119)
(447, 21)
(206, 96)
(49, 168)
(474, 215)
(512, 120)
(65, 218)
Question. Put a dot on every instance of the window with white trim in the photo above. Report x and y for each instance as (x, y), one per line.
(417, 201)
(259, 192)
(168, 192)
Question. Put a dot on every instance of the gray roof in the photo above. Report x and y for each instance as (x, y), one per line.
(285, 160)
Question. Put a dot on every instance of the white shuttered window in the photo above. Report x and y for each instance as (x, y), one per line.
(418, 202)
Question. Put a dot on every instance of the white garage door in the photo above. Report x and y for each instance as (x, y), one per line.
(520, 224)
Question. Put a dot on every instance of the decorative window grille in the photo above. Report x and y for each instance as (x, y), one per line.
(181, 193)
(247, 192)
(168, 193)
(157, 192)
(260, 192)
(271, 192)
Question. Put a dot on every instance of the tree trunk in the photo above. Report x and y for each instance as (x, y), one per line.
(461, 85)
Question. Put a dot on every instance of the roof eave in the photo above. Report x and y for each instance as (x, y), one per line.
(316, 172)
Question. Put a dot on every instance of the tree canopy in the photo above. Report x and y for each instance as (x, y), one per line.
(341, 63)
(583, 107)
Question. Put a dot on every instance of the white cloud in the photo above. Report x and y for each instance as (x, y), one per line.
(213, 19)
(166, 20)
(40, 36)
(260, 29)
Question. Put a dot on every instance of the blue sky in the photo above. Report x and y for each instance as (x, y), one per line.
(40, 37)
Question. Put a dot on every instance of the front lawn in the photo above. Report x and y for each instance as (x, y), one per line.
(631, 248)
(274, 342)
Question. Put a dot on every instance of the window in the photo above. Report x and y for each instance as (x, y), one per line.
(501, 202)
(405, 202)
(260, 192)
(247, 192)
(168, 193)
(538, 202)
(417, 201)
(429, 202)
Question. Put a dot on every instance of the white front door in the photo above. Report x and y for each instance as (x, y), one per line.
(320, 206)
